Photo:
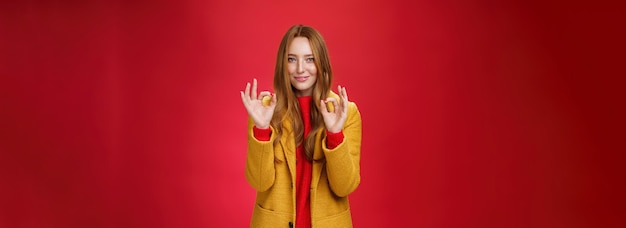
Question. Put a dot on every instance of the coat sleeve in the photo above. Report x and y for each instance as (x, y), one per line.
(342, 162)
(260, 171)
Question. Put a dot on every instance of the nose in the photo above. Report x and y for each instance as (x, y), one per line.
(300, 67)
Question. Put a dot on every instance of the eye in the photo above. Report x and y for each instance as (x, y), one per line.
(310, 59)
(291, 59)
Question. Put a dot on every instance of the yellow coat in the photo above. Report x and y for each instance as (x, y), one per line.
(271, 170)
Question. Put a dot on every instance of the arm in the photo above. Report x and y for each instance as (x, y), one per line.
(342, 162)
(260, 171)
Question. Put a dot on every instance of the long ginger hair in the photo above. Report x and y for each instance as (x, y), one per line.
(287, 106)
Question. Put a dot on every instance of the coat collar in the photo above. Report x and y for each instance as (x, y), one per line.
(288, 140)
(288, 143)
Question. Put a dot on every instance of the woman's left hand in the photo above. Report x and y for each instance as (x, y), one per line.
(336, 118)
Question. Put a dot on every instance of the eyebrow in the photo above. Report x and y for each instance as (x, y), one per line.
(307, 55)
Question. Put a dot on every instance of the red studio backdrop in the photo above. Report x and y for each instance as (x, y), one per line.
(475, 113)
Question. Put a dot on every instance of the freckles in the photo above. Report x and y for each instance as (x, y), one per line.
(291, 69)
(313, 70)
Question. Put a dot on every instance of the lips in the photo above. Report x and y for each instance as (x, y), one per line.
(301, 78)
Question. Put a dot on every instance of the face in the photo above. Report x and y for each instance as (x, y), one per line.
(301, 65)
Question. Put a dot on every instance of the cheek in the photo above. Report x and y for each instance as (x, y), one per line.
(291, 68)
(313, 69)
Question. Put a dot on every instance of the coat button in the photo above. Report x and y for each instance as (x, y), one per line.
(290, 224)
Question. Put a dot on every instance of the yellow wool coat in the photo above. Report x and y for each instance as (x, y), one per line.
(271, 170)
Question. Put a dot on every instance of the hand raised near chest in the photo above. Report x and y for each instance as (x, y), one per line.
(335, 117)
(260, 106)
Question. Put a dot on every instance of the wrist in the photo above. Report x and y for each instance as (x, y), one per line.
(262, 134)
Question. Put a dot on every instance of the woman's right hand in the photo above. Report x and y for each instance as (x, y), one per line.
(260, 113)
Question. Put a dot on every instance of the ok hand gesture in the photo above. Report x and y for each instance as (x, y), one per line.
(260, 113)
(336, 118)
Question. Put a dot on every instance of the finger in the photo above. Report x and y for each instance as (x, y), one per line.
(264, 93)
(247, 91)
(274, 100)
(343, 97)
(243, 98)
(246, 102)
(340, 93)
(323, 106)
(254, 90)
(344, 102)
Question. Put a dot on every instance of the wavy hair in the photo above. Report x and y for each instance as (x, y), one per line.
(287, 106)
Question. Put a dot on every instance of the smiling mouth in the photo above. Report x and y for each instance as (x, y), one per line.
(301, 78)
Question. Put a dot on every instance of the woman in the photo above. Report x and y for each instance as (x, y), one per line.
(304, 141)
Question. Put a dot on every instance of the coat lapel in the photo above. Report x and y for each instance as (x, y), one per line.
(288, 143)
(318, 161)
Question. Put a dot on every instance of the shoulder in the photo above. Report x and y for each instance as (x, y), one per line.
(353, 111)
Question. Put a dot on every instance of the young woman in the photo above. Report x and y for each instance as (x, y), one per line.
(304, 141)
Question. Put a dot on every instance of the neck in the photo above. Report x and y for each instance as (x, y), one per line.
(303, 93)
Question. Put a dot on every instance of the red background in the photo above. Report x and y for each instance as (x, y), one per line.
(475, 113)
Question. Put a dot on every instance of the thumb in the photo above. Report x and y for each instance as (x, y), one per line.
(323, 106)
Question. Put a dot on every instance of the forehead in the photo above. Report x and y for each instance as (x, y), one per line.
(300, 46)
